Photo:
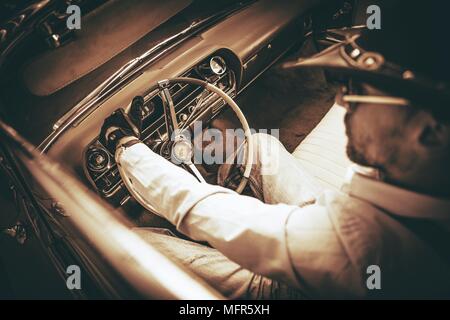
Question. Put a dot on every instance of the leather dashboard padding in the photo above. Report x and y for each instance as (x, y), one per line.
(104, 33)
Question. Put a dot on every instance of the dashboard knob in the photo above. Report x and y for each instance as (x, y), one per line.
(182, 117)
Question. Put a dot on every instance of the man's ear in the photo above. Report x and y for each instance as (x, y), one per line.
(431, 133)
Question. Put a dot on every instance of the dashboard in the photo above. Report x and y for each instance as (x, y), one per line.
(99, 165)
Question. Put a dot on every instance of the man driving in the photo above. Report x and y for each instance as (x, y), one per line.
(296, 239)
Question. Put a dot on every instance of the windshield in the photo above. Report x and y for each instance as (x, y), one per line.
(43, 83)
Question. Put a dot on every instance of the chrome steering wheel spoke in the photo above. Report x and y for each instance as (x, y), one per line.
(196, 109)
(169, 109)
(195, 171)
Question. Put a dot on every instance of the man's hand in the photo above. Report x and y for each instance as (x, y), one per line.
(120, 125)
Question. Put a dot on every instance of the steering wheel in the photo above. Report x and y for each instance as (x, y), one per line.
(181, 148)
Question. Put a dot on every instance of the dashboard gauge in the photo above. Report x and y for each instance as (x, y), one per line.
(214, 66)
(217, 65)
(97, 159)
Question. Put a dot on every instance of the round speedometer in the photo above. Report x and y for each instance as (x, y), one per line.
(97, 159)
(217, 65)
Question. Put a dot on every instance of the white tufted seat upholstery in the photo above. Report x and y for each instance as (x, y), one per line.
(323, 152)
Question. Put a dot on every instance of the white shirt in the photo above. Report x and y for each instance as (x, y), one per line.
(323, 249)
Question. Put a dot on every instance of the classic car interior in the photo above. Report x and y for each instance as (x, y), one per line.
(62, 84)
(229, 60)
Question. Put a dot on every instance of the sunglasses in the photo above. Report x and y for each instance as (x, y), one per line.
(350, 94)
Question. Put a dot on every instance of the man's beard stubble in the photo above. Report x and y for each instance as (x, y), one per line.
(355, 155)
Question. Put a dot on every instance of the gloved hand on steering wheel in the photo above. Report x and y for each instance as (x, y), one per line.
(121, 124)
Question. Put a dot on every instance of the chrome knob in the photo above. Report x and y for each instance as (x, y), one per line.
(182, 117)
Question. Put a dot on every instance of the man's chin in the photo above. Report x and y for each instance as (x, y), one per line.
(355, 156)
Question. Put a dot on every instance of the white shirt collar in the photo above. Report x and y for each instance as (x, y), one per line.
(364, 183)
